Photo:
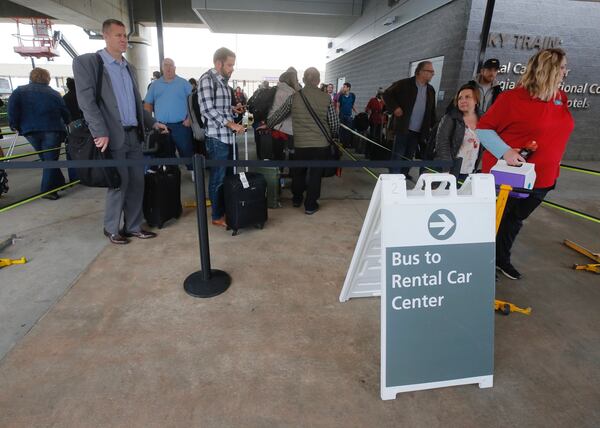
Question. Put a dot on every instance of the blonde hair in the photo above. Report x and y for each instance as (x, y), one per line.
(543, 75)
(39, 75)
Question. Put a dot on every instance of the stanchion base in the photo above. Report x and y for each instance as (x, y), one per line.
(196, 286)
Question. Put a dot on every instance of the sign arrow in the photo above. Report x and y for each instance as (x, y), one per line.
(442, 224)
(446, 223)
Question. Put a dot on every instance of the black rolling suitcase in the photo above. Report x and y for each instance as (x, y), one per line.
(264, 145)
(245, 198)
(162, 195)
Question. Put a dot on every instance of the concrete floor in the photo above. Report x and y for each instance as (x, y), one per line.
(122, 344)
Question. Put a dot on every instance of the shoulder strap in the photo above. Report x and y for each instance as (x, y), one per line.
(99, 78)
(316, 118)
(214, 81)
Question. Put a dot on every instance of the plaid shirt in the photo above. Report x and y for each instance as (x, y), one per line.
(286, 108)
(216, 110)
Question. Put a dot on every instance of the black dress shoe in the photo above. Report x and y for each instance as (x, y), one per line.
(142, 234)
(116, 238)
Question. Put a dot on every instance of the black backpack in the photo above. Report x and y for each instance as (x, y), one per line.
(260, 103)
(361, 122)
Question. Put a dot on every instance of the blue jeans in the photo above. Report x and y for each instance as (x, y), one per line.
(405, 146)
(72, 171)
(51, 178)
(217, 150)
(183, 139)
(345, 135)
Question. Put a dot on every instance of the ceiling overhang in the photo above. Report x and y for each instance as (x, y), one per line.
(318, 18)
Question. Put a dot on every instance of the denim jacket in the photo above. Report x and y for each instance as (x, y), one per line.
(37, 107)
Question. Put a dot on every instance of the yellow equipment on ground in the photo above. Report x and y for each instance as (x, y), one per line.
(507, 307)
(591, 267)
(8, 262)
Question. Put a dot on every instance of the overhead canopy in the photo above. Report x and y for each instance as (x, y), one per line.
(319, 18)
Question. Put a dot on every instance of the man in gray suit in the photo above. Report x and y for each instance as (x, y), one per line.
(117, 123)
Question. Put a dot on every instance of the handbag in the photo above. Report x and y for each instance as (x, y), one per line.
(81, 147)
(334, 151)
(154, 141)
(80, 144)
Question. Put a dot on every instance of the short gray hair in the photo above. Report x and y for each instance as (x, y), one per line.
(312, 77)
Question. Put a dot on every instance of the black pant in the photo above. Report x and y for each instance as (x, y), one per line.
(308, 179)
(375, 135)
(405, 146)
(515, 212)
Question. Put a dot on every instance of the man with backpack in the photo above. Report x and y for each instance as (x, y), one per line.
(214, 98)
(345, 107)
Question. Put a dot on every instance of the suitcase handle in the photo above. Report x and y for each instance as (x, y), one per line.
(245, 148)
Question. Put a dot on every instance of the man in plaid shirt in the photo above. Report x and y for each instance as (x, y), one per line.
(214, 98)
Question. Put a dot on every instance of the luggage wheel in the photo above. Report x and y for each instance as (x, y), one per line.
(259, 226)
(234, 233)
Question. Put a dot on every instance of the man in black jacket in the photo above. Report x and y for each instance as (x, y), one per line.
(412, 102)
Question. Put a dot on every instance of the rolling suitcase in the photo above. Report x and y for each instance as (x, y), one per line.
(264, 145)
(162, 195)
(245, 198)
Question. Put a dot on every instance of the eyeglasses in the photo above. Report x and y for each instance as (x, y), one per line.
(429, 71)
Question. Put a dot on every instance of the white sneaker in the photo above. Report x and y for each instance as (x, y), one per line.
(192, 176)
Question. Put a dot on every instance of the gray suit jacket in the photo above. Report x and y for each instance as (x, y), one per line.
(104, 120)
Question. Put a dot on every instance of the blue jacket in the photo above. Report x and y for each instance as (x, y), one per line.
(37, 107)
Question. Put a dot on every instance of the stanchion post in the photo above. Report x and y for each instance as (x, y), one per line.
(206, 282)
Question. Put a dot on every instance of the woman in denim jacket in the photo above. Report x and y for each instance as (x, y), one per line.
(39, 113)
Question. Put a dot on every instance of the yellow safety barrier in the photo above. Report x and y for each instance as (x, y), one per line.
(501, 203)
(579, 169)
(38, 196)
(507, 307)
(591, 267)
(23, 155)
(9, 262)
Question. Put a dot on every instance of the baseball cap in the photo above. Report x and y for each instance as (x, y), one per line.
(492, 63)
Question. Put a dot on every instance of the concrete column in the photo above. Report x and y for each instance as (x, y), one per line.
(137, 55)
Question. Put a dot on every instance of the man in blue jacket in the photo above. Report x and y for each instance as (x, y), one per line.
(39, 113)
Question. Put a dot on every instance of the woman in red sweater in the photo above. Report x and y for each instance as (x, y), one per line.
(535, 111)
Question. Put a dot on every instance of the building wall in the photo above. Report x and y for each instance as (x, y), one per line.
(454, 31)
(387, 59)
(577, 24)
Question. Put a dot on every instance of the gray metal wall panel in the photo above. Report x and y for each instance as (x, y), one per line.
(577, 24)
(454, 31)
(387, 59)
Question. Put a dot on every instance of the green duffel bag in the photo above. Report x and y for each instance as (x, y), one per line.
(272, 175)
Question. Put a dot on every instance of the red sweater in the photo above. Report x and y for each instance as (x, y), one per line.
(375, 108)
(519, 118)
